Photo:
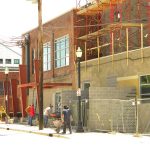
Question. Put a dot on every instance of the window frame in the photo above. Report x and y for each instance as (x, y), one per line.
(47, 56)
(17, 62)
(6, 61)
(144, 95)
(1, 61)
(61, 51)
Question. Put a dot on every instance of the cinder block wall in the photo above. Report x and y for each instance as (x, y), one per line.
(70, 98)
(144, 117)
(109, 110)
(112, 113)
(109, 93)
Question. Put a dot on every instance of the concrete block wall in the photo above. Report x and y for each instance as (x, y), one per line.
(110, 110)
(109, 93)
(144, 117)
(111, 81)
(111, 115)
(70, 98)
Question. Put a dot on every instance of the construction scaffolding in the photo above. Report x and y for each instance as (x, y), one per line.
(107, 27)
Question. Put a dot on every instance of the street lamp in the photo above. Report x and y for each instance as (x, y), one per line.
(40, 46)
(80, 126)
(7, 92)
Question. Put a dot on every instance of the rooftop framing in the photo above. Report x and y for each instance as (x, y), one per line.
(105, 25)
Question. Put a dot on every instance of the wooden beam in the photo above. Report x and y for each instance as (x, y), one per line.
(112, 36)
(28, 85)
(36, 78)
(94, 7)
(85, 56)
(45, 85)
(14, 96)
(49, 85)
(142, 42)
(98, 53)
(127, 41)
(23, 80)
(110, 28)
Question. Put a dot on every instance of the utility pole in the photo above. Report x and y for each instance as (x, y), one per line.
(40, 45)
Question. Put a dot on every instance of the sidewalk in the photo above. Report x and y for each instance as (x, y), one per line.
(90, 140)
(29, 129)
(50, 131)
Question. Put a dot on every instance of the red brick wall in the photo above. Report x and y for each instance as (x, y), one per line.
(11, 75)
(52, 30)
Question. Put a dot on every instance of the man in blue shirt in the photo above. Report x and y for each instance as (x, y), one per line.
(67, 122)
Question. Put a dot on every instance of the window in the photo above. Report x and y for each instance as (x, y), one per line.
(145, 86)
(46, 57)
(8, 61)
(1, 61)
(62, 52)
(16, 61)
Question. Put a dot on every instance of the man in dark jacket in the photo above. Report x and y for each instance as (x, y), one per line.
(67, 122)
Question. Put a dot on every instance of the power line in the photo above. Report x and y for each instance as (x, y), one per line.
(10, 49)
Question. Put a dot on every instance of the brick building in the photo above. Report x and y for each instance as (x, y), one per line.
(8, 82)
(113, 69)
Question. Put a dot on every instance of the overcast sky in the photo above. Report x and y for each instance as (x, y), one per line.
(19, 16)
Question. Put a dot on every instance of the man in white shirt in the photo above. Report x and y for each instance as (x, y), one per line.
(46, 113)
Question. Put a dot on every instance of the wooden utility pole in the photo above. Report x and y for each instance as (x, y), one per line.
(40, 45)
(40, 48)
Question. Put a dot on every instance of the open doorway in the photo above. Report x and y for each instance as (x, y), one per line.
(58, 102)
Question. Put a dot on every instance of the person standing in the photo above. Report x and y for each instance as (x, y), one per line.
(31, 112)
(46, 113)
(66, 118)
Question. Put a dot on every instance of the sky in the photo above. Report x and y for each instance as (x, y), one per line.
(20, 16)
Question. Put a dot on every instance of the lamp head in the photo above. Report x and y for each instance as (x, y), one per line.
(79, 52)
(6, 70)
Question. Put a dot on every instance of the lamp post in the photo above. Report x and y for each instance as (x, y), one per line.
(40, 46)
(7, 92)
(80, 126)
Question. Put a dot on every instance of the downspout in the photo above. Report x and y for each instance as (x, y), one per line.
(27, 54)
(53, 54)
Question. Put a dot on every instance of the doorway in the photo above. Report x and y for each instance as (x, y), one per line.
(58, 103)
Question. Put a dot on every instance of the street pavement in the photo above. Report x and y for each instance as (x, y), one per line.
(90, 140)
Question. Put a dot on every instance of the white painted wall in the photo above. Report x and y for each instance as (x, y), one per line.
(6, 53)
